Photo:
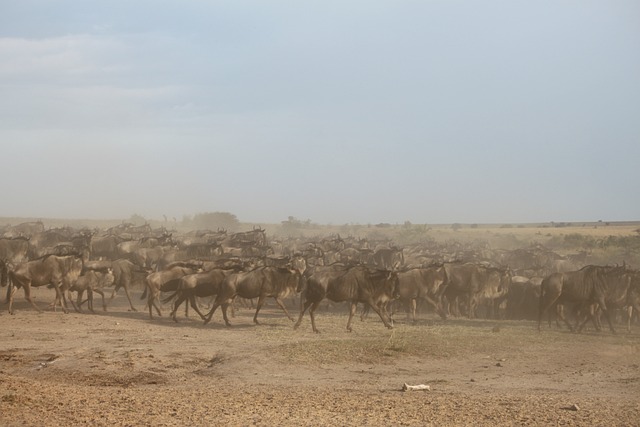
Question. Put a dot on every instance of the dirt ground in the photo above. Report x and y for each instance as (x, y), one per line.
(120, 368)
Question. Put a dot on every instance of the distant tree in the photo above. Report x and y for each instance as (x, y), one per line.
(213, 221)
(293, 225)
(456, 226)
(136, 219)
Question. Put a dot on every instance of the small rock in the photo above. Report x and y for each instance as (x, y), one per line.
(573, 407)
(499, 365)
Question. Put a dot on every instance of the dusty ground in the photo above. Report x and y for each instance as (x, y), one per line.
(120, 368)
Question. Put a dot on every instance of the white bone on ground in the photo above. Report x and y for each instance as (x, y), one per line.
(407, 387)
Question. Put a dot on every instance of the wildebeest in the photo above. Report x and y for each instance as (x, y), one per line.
(91, 281)
(205, 284)
(523, 298)
(425, 284)
(124, 274)
(26, 229)
(592, 285)
(388, 258)
(155, 281)
(14, 250)
(474, 283)
(105, 246)
(358, 284)
(61, 272)
(260, 283)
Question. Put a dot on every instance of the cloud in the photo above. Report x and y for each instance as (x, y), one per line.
(48, 58)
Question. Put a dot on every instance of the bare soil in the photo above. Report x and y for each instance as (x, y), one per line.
(120, 368)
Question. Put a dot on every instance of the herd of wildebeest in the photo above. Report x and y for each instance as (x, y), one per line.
(222, 269)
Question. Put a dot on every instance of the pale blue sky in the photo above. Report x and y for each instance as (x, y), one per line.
(334, 111)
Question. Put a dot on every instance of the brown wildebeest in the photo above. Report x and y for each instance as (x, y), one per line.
(58, 271)
(388, 258)
(155, 282)
(262, 282)
(589, 286)
(91, 281)
(357, 284)
(124, 273)
(200, 285)
(473, 283)
(14, 250)
(423, 284)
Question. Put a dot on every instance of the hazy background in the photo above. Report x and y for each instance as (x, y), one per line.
(334, 111)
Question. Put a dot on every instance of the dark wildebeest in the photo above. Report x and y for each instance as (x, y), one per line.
(200, 285)
(61, 272)
(155, 282)
(357, 284)
(523, 298)
(388, 258)
(425, 284)
(474, 283)
(591, 285)
(262, 282)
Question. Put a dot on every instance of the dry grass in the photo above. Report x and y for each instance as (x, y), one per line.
(370, 343)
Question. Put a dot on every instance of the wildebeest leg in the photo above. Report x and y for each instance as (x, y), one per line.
(225, 306)
(546, 302)
(561, 316)
(126, 291)
(261, 299)
(304, 306)
(194, 304)
(59, 298)
(90, 300)
(365, 312)
(157, 305)
(281, 305)
(79, 301)
(414, 303)
(27, 296)
(312, 314)
(213, 310)
(582, 318)
(352, 312)
(75, 307)
(101, 293)
(379, 312)
(606, 313)
(11, 290)
(437, 306)
(152, 303)
(176, 305)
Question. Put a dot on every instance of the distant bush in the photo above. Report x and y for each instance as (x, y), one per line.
(212, 221)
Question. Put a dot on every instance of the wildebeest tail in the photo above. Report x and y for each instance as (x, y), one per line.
(170, 297)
